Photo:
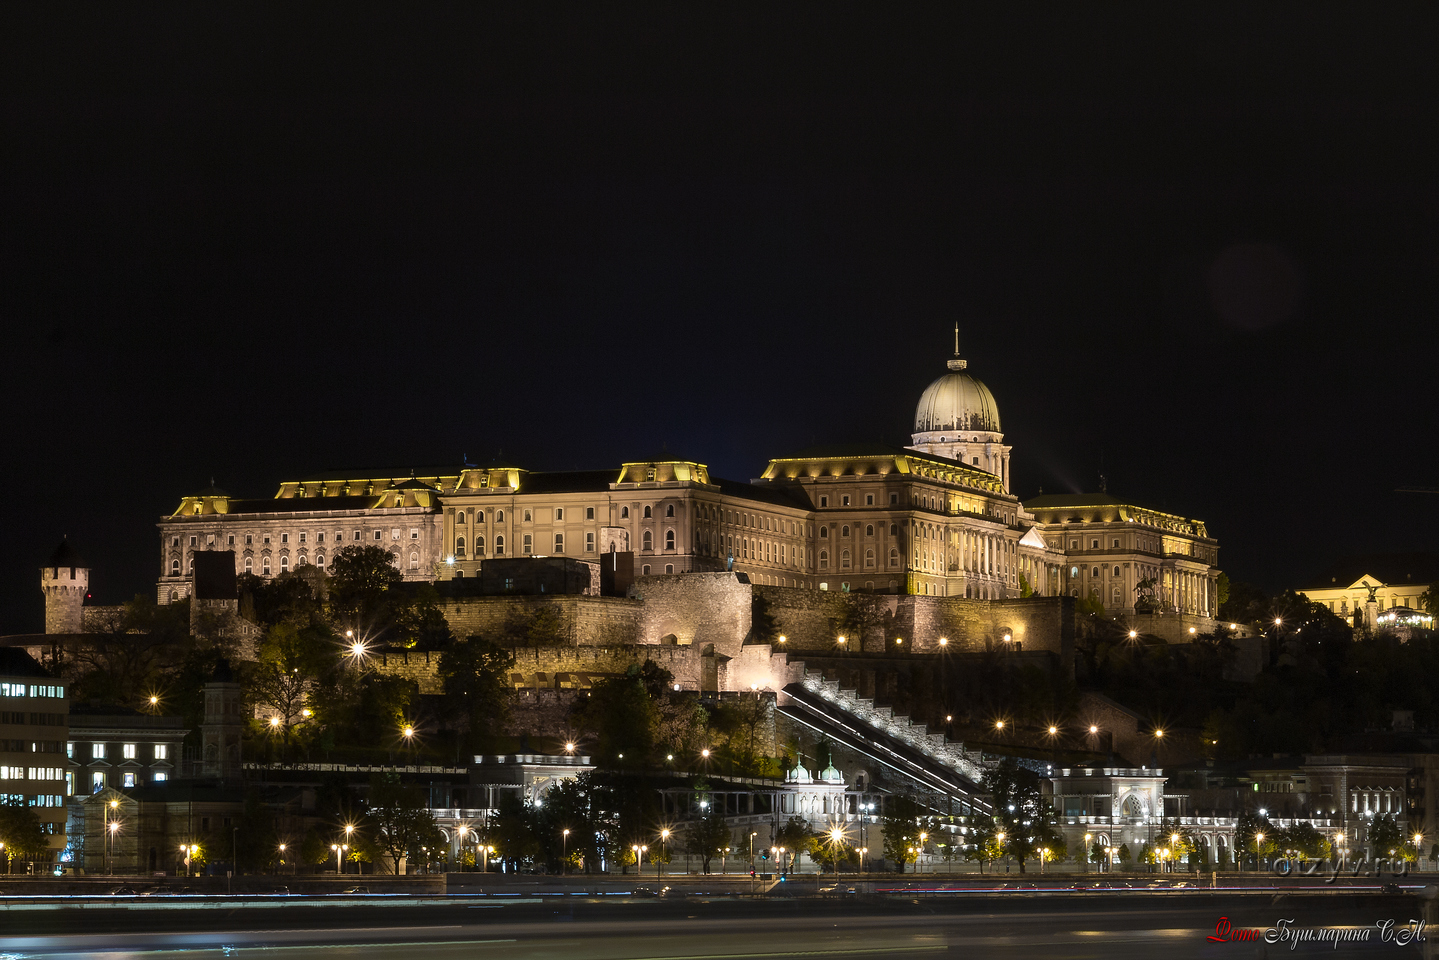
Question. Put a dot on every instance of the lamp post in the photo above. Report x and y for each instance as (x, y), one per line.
(564, 850)
(724, 853)
(751, 853)
(660, 860)
(1258, 839)
(110, 827)
(862, 852)
(1086, 851)
(1043, 853)
(835, 836)
(639, 859)
(280, 868)
(999, 837)
(486, 850)
(922, 838)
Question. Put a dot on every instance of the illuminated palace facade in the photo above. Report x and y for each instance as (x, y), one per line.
(935, 518)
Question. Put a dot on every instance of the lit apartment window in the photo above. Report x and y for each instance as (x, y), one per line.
(97, 781)
(70, 750)
(128, 751)
(160, 776)
(129, 778)
(162, 751)
(97, 751)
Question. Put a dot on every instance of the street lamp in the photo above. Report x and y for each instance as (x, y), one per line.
(659, 861)
(922, 838)
(1258, 839)
(282, 856)
(835, 836)
(564, 849)
(639, 858)
(1086, 851)
(862, 852)
(1043, 853)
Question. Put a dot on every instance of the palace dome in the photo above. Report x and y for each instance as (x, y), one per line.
(956, 401)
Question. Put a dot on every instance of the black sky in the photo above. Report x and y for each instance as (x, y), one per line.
(250, 242)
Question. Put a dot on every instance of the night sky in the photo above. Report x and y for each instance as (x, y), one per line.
(1198, 254)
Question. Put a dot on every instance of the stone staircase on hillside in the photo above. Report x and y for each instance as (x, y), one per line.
(935, 746)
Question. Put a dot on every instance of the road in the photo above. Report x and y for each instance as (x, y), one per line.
(1169, 926)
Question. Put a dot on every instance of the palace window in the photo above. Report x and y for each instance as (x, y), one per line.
(869, 558)
(175, 568)
(824, 559)
(669, 568)
(357, 536)
(559, 513)
(869, 529)
(414, 561)
(162, 751)
(460, 517)
(377, 536)
(1116, 541)
(824, 501)
(824, 533)
(669, 510)
(499, 546)
(589, 543)
(669, 539)
(976, 461)
(231, 541)
(893, 557)
(249, 564)
(624, 513)
(645, 570)
(893, 499)
(284, 538)
(844, 559)
(844, 531)
(1116, 569)
(414, 533)
(559, 543)
(647, 541)
(127, 750)
(526, 544)
(302, 538)
(285, 564)
(499, 516)
(266, 566)
(1094, 544)
(479, 546)
(1095, 572)
(589, 513)
(459, 546)
(844, 501)
(648, 514)
(320, 560)
(894, 529)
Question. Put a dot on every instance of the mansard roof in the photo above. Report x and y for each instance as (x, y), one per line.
(881, 459)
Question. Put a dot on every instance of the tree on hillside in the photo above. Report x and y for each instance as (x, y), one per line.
(764, 628)
(902, 821)
(20, 830)
(360, 578)
(622, 717)
(707, 837)
(1021, 812)
(475, 674)
(399, 818)
(1385, 838)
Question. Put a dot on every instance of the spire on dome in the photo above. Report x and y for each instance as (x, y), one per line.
(956, 363)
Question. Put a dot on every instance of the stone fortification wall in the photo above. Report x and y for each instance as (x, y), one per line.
(973, 626)
(697, 609)
(581, 620)
(811, 621)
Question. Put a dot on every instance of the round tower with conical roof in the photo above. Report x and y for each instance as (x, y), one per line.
(65, 581)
